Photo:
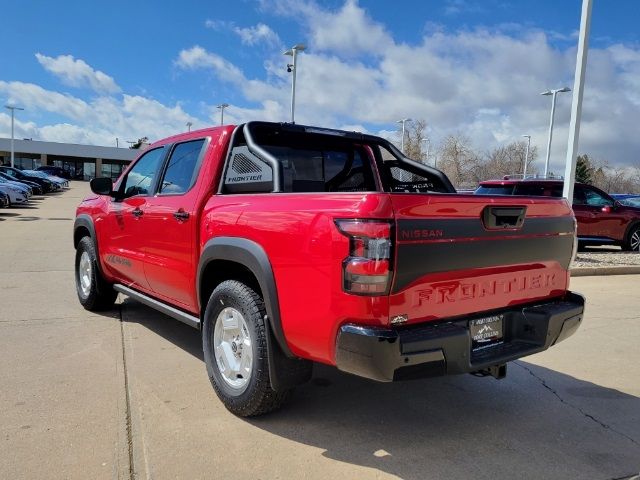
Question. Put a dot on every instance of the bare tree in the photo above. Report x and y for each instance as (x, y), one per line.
(414, 140)
(459, 161)
(506, 160)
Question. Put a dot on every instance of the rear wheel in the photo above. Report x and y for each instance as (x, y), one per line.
(633, 239)
(234, 340)
(93, 291)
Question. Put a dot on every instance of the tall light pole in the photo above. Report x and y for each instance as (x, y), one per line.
(221, 107)
(576, 103)
(553, 94)
(526, 156)
(403, 121)
(189, 126)
(13, 109)
(292, 67)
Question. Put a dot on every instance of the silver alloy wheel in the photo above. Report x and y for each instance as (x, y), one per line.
(232, 347)
(635, 240)
(84, 273)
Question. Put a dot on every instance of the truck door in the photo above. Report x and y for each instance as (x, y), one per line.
(170, 223)
(122, 252)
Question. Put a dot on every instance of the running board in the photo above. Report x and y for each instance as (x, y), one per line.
(158, 305)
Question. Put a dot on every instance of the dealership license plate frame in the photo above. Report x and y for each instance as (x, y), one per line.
(486, 332)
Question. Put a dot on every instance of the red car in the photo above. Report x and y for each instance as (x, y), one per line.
(287, 245)
(602, 220)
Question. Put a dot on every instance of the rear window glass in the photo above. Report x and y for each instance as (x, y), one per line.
(311, 170)
(538, 190)
(495, 190)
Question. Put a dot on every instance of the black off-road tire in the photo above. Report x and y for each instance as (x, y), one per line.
(632, 242)
(99, 294)
(256, 397)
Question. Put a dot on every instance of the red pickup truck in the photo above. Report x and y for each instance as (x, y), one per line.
(288, 245)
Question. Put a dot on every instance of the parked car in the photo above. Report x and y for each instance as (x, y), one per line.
(4, 199)
(289, 244)
(46, 185)
(602, 220)
(60, 183)
(35, 188)
(20, 186)
(16, 195)
(630, 200)
(56, 171)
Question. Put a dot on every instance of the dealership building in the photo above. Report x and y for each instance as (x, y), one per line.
(83, 162)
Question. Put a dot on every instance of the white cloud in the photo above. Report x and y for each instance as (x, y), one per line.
(198, 58)
(347, 32)
(97, 122)
(257, 34)
(77, 73)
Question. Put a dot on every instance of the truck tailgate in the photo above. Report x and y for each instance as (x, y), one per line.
(462, 254)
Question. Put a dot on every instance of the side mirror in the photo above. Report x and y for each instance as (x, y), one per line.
(101, 186)
(606, 209)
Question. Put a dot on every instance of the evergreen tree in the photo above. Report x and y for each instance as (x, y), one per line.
(584, 170)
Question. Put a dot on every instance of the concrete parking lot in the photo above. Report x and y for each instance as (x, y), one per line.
(125, 394)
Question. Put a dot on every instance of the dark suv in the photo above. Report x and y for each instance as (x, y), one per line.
(602, 220)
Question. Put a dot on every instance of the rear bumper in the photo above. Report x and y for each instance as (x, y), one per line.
(444, 348)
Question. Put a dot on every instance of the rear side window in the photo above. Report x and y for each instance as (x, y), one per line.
(181, 169)
(494, 190)
(140, 179)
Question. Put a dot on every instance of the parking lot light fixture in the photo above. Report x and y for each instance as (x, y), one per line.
(403, 121)
(189, 124)
(221, 107)
(13, 109)
(526, 156)
(553, 94)
(292, 67)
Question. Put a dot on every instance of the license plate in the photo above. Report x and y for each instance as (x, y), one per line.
(486, 332)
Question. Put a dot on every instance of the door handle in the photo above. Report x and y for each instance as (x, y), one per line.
(181, 215)
(137, 212)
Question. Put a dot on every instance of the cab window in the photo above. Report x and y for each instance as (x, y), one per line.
(140, 179)
(181, 168)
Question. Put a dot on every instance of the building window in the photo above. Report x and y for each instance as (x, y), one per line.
(111, 170)
(24, 163)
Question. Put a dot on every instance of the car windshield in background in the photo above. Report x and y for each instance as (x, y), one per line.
(494, 190)
(630, 202)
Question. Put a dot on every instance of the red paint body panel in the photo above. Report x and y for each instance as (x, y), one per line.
(462, 292)
(158, 255)
(306, 251)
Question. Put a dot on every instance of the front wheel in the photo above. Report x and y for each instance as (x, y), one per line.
(234, 341)
(633, 239)
(93, 291)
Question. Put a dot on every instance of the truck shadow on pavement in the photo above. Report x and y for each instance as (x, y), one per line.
(536, 423)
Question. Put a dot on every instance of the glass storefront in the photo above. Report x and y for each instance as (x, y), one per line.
(25, 163)
(111, 170)
(78, 169)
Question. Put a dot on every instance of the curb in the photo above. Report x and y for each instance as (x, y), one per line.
(592, 271)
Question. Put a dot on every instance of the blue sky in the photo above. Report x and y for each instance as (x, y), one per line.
(88, 72)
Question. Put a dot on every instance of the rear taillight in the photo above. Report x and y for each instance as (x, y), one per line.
(367, 269)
